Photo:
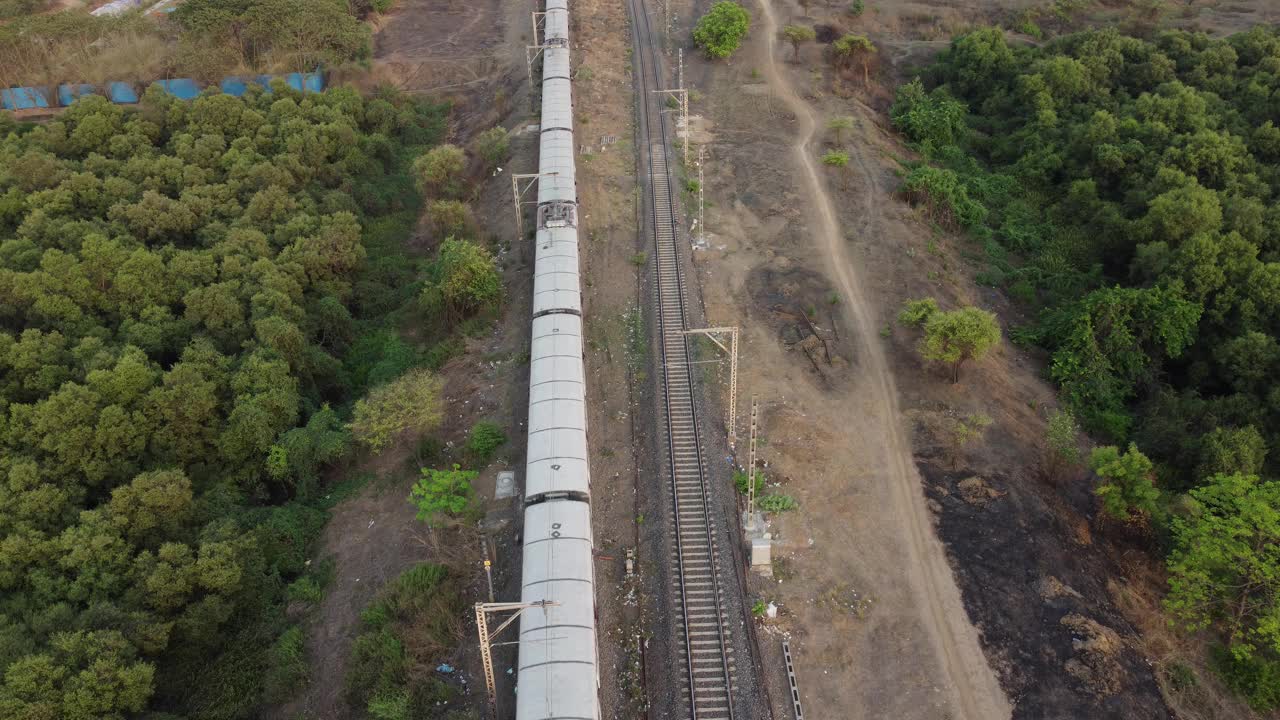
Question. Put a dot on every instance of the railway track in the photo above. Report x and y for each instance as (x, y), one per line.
(700, 616)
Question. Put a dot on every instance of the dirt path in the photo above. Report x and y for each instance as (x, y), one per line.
(977, 693)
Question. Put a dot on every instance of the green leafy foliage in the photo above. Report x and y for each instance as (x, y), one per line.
(740, 481)
(439, 171)
(1123, 187)
(288, 667)
(851, 48)
(464, 281)
(839, 124)
(444, 494)
(1225, 569)
(1128, 490)
(721, 30)
(410, 403)
(485, 438)
(776, 502)
(798, 35)
(493, 146)
(915, 313)
(835, 158)
(1127, 189)
(1060, 451)
(181, 288)
(404, 635)
(957, 336)
(293, 33)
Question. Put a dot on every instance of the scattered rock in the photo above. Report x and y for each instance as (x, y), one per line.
(1051, 588)
(976, 491)
(1097, 648)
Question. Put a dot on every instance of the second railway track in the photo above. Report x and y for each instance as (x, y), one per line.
(700, 618)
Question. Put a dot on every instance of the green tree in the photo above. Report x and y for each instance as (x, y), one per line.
(957, 336)
(1232, 451)
(838, 125)
(450, 217)
(446, 493)
(465, 280)
(493, 146)
(411, 402)
(721, 30)
(1225, 568)
(86, 675)
(933, 120)
(1128, 489)
(798, 35)
(439, 171)
(854, 48)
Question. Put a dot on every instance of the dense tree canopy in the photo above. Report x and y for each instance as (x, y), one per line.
(187, 290)
(1128, 188)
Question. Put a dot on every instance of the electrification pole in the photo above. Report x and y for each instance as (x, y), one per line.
(486, 638)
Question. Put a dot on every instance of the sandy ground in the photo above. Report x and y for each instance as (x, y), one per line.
(962, 668)
(879, 628)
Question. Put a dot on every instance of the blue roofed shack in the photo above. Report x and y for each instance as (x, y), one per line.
(121, 92)
(68, 93)
(24, 98)
(181, 88)
(234, 86)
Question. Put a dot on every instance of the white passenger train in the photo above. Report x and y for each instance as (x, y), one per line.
(559, 676)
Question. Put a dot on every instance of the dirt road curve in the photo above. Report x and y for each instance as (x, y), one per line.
(975, 690)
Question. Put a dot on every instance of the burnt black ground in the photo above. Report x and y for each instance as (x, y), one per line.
(1001, 552)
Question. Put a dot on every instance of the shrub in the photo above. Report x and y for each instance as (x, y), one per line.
(444, 493)
(465, 280)
(777, 503)
(721, 30)
(449, 217)
(931, 120)
(740, 481)
(305, 589)
(493, 145)
(439, 171)
(835, 158)
(485, 438)
(287, 670)
(410, 403)
(915, 313)
(1128, 490)
(945, 196)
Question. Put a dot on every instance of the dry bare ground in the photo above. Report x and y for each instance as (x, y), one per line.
(1065, 609)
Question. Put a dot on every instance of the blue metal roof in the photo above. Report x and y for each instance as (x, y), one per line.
(24, 98)
(181, 88)
(121, 92)
(234, 86)
(312, 82)
(68, 93)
